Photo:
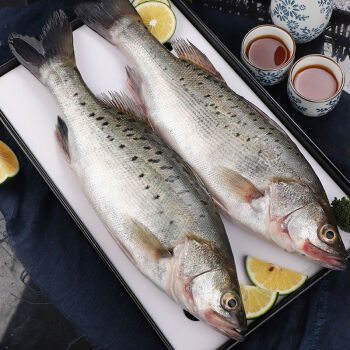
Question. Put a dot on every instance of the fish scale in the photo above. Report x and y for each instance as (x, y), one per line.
(240, 154)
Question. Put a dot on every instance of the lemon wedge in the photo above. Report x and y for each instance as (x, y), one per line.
(272, 277)
(158, 18)
(257, 301)
(9, 165)
(138, 2)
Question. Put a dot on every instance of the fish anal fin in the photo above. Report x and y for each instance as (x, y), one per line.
(241, 187)
(187, 51)
(62, 137)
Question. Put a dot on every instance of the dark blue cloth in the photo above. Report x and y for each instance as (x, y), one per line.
(62, 263)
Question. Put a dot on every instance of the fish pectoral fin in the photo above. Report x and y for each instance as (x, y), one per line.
(188, 52)
(147, 242)
(123, 103)
(62, 137)
(240, 186)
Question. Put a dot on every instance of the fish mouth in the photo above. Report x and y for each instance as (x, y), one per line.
(224, 326)
(325, 259)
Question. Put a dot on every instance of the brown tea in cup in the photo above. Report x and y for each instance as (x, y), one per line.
(315, 83)
(267, 52)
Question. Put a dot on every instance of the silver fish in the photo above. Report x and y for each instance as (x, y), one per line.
(253, 170)
(149, 201)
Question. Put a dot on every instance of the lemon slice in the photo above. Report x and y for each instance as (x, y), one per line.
(138, 2)
(271, 277)
(257, 301)
(9, 165)
(158, 18)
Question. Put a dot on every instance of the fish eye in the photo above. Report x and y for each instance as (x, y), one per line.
(328, 234)
(229, 302)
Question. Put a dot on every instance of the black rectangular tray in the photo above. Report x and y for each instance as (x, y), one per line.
(271, 103)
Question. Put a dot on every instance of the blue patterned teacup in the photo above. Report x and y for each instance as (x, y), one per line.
(268, 76)
(315, 108)
(304, 19)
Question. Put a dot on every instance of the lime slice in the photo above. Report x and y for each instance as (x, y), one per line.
(158, 18)
(274, 278)
(257, 301)
(9, 165)
(138, 2)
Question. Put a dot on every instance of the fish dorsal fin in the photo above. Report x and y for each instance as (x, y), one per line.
(188, 52)
(123, 103)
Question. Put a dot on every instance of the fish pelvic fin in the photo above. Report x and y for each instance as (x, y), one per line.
(187, 51)
(241, 187)
(104, 15)
(123, 103)
(62, 137)
(55, 44)
(134, 85)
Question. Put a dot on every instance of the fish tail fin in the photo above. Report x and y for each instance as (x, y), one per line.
(55, 44)
(105, 16)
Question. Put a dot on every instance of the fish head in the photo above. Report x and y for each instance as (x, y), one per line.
(217, 300)
(207, 285)
(304, 216)
(317, 237)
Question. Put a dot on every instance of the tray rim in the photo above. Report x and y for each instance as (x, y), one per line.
(271, 103)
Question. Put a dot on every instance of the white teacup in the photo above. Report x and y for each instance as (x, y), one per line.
(304, 19)
(309, 107)
(269, 76)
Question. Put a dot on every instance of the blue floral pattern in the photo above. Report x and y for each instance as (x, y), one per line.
(312, 109)
(269, 77)
(333, 102)
(330, 106)
(297, 16)
(296, 102)
(306, 34)
(290, 8)
(280, 13)
(292, 25)
(326, 7)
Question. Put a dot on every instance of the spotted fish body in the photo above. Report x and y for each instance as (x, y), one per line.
(164, 221)
(254, 171)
